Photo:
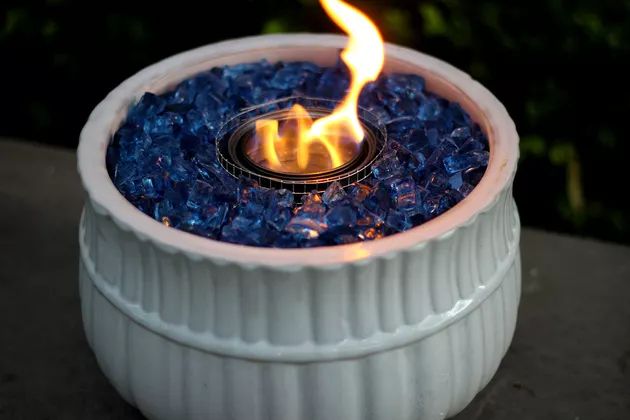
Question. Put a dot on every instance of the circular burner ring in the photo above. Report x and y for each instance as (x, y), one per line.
(235, 133)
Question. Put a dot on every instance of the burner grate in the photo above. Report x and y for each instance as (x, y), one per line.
(233, 137)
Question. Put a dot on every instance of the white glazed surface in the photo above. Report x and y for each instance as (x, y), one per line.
(411, 326)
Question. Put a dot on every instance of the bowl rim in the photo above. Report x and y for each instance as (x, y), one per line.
(106, 200)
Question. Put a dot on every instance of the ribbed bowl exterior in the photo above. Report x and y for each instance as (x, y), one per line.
(405, 332)
(413, 335)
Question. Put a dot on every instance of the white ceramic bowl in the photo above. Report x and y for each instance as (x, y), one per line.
(410, 326)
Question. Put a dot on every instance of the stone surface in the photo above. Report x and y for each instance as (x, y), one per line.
(570, 358)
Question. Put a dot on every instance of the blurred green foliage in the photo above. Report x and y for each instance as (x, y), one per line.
(560, 67)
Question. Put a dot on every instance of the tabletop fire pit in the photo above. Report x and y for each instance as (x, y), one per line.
(408, 323)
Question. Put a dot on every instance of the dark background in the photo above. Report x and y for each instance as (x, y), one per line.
(560, 67)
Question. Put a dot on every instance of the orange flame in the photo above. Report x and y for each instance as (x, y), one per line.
(364, 56)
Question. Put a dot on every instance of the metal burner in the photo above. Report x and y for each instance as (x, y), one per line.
(238, 154)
